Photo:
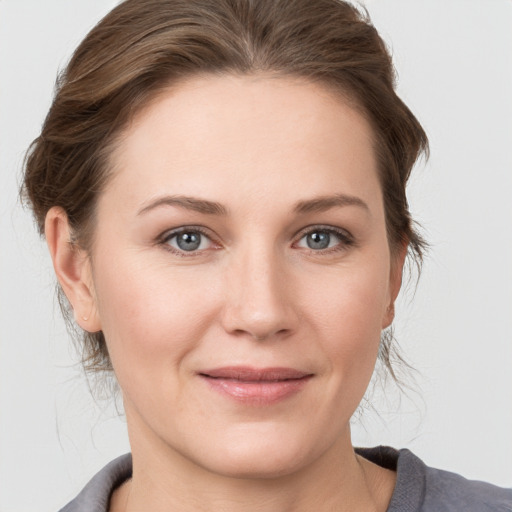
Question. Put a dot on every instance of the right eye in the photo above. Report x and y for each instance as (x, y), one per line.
(187, 240)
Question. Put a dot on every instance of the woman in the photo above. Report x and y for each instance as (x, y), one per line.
(222, 189)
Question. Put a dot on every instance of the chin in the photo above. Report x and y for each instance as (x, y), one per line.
(259, 455)
(260, 465)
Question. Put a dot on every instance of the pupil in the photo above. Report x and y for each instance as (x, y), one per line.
(318, 240)
(188, 241)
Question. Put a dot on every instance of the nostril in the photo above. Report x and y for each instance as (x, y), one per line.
(261, 336)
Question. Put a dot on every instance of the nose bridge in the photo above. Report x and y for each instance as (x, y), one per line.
(258, 301)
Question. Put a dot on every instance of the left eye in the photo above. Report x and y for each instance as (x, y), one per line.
(188, 241)
(320, 239)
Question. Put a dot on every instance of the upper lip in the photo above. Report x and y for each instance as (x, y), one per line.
(249, 374)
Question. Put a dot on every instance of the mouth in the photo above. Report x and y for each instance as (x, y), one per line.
(256, 386)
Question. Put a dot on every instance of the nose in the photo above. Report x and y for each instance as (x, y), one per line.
(259, 299)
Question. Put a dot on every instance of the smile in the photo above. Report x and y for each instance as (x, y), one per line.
(255, 386)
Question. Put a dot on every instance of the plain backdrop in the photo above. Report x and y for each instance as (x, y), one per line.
(454, 61)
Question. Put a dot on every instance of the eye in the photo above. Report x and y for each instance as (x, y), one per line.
(187, 240)
(320, 239)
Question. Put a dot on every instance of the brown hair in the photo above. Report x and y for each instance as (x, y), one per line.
(143, 46)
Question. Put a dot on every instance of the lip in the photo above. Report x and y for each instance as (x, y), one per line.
(256, 386)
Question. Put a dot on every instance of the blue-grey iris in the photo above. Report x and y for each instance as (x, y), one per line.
(318, 240)
(188, 241)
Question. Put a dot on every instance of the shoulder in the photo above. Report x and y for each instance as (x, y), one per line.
(95, 496)
(420, 488)
(454, 492)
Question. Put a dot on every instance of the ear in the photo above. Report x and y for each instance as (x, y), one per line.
(395, 283)
(73, 269)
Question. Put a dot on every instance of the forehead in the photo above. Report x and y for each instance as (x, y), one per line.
(262, 133)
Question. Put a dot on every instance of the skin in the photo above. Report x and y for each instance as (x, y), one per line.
(254, 294)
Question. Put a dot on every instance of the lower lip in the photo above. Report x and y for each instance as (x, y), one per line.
(257, 392)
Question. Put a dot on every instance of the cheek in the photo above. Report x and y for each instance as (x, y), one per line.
(348, 315)
(150, 315)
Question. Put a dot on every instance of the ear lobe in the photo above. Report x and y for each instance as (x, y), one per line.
(395, 283)
(72, 267)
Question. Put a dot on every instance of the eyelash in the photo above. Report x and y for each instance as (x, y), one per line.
(346, 239)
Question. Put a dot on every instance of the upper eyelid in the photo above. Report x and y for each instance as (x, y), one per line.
(323, 227)
(169, 233)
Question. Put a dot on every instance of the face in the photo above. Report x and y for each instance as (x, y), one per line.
(241, 273)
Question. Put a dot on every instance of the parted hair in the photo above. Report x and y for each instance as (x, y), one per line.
(143, 47)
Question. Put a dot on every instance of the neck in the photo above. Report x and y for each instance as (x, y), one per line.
(164, 480)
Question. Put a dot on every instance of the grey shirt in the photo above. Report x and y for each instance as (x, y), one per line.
(419, 488)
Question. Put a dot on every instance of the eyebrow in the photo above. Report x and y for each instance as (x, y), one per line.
(318, 204)
(324, 203)
(187, 202)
